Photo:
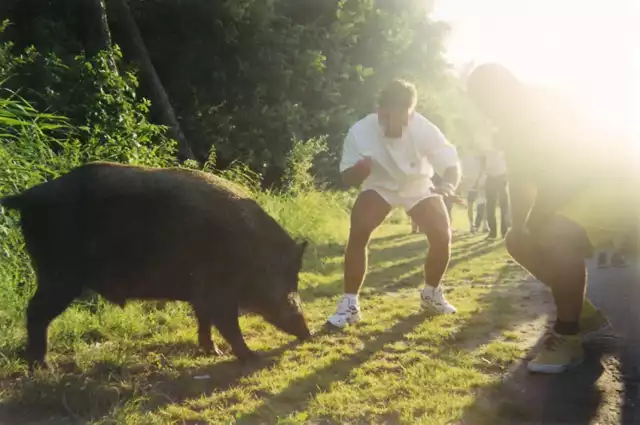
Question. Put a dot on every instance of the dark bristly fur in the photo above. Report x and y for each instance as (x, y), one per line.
(130, 232)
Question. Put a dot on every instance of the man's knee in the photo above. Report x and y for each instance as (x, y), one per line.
(440, 239)
(368, 213)
(564, 235)
(554, 234)
(361, 232)
(517, 244)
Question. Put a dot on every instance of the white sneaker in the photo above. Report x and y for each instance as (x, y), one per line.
(433, 300)
(347, 313)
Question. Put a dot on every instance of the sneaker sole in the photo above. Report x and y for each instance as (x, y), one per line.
(347, 323)
(551, 369)
(433, 311)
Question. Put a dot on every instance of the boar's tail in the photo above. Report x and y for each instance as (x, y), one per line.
(11, 202)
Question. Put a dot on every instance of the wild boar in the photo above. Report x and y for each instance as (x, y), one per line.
(132, 232)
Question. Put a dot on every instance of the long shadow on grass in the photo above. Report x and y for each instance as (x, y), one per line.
(522, 397)
(573, 397)
(108, 386)
(526, 398)
(327, 259)
(479, 329)
(289, 400)
(405, 259)
(379, 281)
(72, 394)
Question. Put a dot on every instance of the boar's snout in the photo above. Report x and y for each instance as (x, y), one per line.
(294, 323)
(304, 333)
(287, 315)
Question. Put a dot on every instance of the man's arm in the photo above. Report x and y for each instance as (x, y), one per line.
(354, 176)
(451, 177)
(443, 156)
(354, 169)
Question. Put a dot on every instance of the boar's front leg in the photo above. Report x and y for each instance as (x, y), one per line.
(204, 332)
(45, 305)
(225, 318)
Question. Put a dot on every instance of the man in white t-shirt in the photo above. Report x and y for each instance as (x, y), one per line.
(392, 155)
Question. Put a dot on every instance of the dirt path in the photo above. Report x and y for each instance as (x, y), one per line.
(603, 391)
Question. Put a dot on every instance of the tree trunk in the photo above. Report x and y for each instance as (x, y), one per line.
(95, 29)
(133, 46)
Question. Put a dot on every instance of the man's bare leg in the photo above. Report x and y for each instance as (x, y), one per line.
(555, 254)
(557, 259)
(433, 219)
(369, 211)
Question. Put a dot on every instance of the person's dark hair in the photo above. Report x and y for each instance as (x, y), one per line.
(491, 79)
(399, 94)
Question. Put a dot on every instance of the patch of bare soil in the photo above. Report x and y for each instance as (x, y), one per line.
(588, 394)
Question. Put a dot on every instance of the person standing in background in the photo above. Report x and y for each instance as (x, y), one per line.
(495, 167)
(473, 165)
(617, 259)
(480, 224)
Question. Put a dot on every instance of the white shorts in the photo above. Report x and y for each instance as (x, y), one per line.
(406, 202)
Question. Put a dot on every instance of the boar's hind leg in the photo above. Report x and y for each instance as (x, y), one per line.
(225, 318)
(204, 332)
(43, 307)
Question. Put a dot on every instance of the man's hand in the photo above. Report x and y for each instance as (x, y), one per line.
(356, 175)
(364, 167)
(448, 191)
(445, 189)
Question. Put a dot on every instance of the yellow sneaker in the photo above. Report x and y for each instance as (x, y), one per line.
(591, 319)
(559, 353)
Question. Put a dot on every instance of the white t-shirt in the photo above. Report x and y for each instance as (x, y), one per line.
(404, 165)
(471, 169)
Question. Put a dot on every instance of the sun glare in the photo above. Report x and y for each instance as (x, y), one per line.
(585, 49)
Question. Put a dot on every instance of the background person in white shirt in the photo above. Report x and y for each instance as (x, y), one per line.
(496, 192)
(392, 154)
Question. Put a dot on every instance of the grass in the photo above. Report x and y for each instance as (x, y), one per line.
(140, 365)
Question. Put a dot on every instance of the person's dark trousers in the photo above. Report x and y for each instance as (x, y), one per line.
(496, 189)
(480, 208)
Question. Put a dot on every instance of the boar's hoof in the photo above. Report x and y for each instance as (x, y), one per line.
(305, 337)
(211, 349)
(35, 365)
(214, 351)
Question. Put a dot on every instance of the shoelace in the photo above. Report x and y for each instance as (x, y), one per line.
(347, 307)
